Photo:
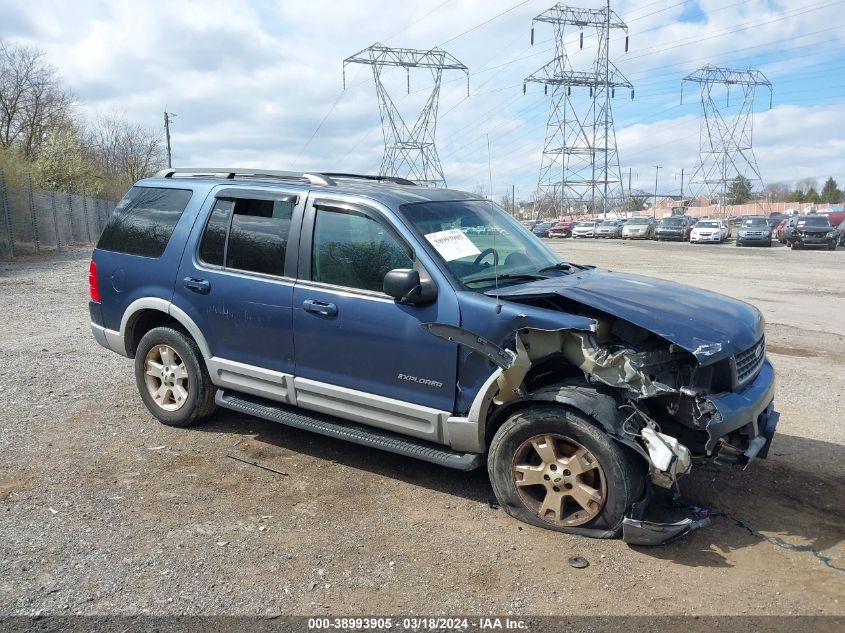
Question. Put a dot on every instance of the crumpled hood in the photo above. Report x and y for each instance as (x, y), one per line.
(708, 325)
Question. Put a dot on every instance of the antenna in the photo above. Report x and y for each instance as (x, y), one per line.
(495, 252)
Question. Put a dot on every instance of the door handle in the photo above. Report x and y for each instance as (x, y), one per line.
(319, 307)
(200, 286)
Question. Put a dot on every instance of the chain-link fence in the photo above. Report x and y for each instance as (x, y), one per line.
(34, 221)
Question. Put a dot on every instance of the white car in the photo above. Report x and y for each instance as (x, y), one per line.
(708, 231)
(584, 229)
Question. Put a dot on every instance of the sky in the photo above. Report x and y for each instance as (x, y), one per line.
(260, 84)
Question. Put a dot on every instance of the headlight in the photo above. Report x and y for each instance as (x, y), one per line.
(742, 234)
(831, 234)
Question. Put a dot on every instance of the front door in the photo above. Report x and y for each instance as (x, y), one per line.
(355, 345)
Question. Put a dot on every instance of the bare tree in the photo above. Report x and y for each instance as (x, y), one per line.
(32, 99)
(776, 192)
(125, 150)
(806, 184)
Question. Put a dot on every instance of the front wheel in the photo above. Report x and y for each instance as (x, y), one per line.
(172, 378)
(551, 467)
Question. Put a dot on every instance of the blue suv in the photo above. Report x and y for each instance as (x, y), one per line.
(429, 323)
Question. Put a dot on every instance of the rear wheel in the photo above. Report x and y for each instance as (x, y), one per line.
(172, 378)
(551, 467)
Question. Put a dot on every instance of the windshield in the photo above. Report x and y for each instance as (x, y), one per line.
(819, 221)
(707, 225)
(638, 221)
(610, 223)
(671, 222)
(585, 224)
(470, 255)
(755, 222)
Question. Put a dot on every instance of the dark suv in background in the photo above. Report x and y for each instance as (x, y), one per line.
(431, 324)
(810, 230)
(676, 227)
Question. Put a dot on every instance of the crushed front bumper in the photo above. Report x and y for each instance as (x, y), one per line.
(750, 410)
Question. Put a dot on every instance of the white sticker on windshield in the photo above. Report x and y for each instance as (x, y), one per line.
(452, 244)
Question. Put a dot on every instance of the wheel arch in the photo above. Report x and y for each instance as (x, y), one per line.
(146, 313)
(595, 403)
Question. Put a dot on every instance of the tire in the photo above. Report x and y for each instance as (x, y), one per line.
(188, 394)
(738, 243)
(794, 246)
(832, 246)
(609, 472)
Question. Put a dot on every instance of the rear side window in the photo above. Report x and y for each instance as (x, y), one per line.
(354, 250)
(248, 235)
(143, 221)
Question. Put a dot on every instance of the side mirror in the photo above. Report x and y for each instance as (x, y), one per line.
(404, 285)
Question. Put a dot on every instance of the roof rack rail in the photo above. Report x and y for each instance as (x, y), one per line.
(394, 179)
(230, 173)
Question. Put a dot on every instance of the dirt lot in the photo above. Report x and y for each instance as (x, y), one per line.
(104, 510)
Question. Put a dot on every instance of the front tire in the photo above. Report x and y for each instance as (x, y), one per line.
(553, 468)
(172, 378)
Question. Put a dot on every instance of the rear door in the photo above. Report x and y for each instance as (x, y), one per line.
(237, 285)
(355, 346)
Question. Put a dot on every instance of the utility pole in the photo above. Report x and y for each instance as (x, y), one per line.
(168, 117)
(682, 186)
(513, 199)
(657, 169)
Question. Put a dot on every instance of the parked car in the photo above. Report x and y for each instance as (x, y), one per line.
(542, 229)
(708, 231)
(779, 231)
(676, 227)
(638, 228)
(610, 229)
(356, 307)
(841, 231)
(561, 229)
(775, 218)
(584, 229)
(811, 230)
(754, 230)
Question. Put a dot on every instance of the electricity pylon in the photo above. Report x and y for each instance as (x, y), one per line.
(725, 144)
(580, 161)
(408, 152)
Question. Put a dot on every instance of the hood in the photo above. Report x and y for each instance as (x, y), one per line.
(708, 325)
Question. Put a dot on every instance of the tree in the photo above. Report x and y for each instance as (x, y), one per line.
(739, 191)
(776, 192)
(812, 196)
(636, 202)
(805, 184)
(830, 192)
(32, 99)
(124, 150)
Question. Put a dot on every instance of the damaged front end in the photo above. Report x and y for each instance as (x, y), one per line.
(670, 401)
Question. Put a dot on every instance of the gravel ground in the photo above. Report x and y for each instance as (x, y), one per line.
(105, 511)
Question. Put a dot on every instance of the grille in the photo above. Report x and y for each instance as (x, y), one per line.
(748, 361)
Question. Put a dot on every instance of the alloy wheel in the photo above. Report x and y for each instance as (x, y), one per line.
(559, 480)
(166, 377)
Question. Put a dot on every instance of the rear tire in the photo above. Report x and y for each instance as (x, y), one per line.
(583, 481)
(172, 378)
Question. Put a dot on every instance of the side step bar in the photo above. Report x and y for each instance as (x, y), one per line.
(349, 431)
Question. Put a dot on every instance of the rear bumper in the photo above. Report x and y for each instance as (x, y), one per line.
(109, 339)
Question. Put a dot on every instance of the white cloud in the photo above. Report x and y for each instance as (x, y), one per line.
(251, 81)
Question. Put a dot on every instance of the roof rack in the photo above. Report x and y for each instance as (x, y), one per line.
(394, 179)
(230, 173)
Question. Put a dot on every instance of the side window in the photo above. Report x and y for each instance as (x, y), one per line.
(353, 250)
(143, 221)
(248, 235)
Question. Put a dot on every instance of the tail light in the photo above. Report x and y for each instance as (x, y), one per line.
(93, 282)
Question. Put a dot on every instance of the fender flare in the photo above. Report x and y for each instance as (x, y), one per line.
(162, 305)
(592, 400)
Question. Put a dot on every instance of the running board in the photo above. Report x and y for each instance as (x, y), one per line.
(349, 431)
